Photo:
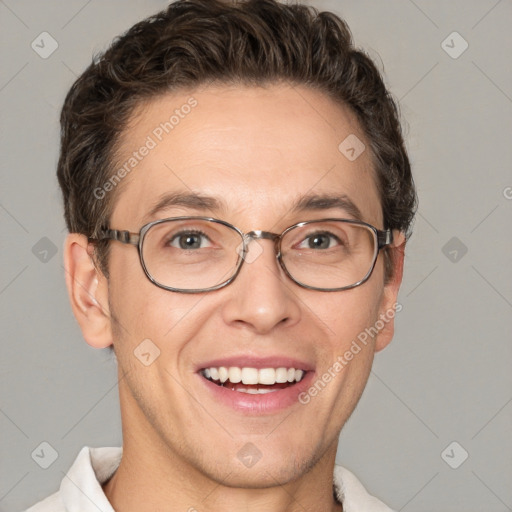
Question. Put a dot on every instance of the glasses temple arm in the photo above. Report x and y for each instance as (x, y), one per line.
(384, 238)
(124, 237)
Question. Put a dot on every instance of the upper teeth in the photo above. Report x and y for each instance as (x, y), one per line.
(266, 376)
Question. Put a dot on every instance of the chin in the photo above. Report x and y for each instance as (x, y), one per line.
(251, 468)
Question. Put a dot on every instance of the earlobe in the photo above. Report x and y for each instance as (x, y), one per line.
(88, 291)
(389, 304)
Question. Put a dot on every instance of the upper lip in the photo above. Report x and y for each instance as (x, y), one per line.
(250, 361)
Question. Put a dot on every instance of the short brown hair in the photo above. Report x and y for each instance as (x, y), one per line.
(248, 42)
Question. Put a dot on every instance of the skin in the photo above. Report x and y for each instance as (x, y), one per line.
(259, 149)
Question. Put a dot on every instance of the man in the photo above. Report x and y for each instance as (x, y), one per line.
(238, 198)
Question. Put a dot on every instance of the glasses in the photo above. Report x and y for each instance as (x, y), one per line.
(201, 254)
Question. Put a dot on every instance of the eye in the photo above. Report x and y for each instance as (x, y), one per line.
(320, 240)
(189, 240)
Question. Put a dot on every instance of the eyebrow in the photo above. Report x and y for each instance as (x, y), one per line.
(310, 202)
(315, 202)
(187, 200)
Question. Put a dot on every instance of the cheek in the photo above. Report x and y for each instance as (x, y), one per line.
(139, 309)
(147, 311)
(347, 315)
(351, 349)
(142, 311)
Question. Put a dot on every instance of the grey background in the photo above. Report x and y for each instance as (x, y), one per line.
(446, 377)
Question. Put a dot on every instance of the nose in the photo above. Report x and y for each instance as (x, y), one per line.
(262, 297)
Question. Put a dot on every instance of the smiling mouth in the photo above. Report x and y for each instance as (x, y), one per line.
(256, 381)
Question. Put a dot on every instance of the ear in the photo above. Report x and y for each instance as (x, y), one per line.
(88, 291)
(389, 303)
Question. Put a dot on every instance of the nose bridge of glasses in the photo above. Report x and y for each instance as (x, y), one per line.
(259, 235)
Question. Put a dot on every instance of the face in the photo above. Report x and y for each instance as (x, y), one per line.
(257, 152)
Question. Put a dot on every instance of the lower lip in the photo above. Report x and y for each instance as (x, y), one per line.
(267, 403)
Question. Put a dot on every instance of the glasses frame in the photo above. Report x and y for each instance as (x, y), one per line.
(382, 239)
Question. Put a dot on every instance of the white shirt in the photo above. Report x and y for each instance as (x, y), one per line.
(80, 490)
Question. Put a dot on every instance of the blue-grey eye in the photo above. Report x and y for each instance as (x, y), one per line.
(190, 240)
(319, 241)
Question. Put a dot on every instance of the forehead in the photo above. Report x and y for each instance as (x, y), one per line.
(257, 150)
